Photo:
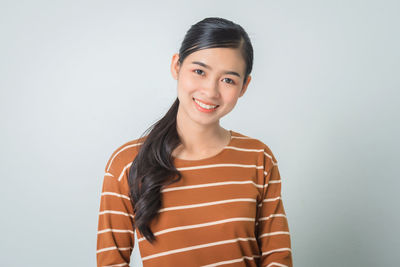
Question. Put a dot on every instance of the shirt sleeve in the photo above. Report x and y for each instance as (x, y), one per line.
(115, 235)
(273, 229)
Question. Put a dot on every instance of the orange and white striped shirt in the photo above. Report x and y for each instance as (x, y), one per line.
(226, 210)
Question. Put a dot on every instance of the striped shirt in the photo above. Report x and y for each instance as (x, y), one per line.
(226, 210)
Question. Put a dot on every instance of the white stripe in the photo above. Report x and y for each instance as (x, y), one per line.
(274, 233)
(231, 261)
(122, 149)
(114, 194)
(112, 248)
(275, 250)
(199, 225)
(197, 247)
(268, 200)
(116, 212)
(270, 216)
(208, 204)
(274, 182)
(108, 174)
(123, 171)
(276, 264)
(271, 199)
(242, 137)
(244, 149)
(114, 231)
(219, 165)
(116, 265)
(269, 156)
(211, 184)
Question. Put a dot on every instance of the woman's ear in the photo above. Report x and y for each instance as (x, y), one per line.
(245, 85)
(175, 66)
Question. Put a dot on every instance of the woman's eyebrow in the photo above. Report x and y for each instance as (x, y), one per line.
(208, 67)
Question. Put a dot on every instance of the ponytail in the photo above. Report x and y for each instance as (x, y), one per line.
(152, 168)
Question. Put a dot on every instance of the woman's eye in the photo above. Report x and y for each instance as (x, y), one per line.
(199, 71)
(229, 80)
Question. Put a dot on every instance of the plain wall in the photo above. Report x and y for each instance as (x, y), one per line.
(80, 78)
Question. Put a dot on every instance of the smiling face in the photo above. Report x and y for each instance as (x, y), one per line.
(209, 83)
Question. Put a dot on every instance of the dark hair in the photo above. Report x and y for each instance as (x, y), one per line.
(153, 167)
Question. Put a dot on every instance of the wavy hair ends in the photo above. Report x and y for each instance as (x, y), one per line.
(153, 167)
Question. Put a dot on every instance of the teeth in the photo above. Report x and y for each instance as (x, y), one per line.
(204, 105)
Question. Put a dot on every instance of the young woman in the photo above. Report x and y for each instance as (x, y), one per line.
(195, 193)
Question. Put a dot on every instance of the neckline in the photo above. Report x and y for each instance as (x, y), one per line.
(179, 160)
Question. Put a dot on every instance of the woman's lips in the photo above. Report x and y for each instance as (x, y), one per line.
(207, 103)
(205, 110)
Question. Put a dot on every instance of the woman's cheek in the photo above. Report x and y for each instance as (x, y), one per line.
(190, 83)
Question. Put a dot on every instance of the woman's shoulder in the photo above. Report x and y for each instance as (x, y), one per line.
(123, 156)
(246, 140)
(243, 140)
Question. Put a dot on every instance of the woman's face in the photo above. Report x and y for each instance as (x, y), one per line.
(212, 76)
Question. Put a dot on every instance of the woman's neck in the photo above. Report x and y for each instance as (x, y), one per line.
(197, 143)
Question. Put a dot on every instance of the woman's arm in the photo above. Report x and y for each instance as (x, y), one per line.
(273, 230)
(115, 236)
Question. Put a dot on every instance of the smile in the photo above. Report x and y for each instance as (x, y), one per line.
(203, 106)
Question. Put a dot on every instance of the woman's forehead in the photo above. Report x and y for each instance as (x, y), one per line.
(217, 58)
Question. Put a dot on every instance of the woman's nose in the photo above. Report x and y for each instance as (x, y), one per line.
(211, 88)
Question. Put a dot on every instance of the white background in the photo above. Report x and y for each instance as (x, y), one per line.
(80, 78)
